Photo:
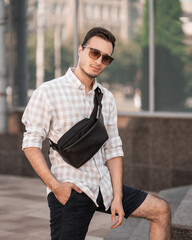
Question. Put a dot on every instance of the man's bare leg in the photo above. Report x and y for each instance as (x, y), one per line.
(158, 212)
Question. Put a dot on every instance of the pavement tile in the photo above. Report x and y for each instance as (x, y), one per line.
(93, 238)
(25, 214)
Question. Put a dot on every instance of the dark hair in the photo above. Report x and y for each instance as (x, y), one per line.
(100, 32)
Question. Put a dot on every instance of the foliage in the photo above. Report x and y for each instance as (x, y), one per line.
(66, 56)
(31, 43)
(49, 55)
(188, 70)
(169, 77)
(126, 64)
(168, 28)
(49, 71)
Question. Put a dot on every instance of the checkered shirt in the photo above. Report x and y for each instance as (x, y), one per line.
(52, 110)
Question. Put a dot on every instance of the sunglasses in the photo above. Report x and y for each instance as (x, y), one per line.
(95, 54)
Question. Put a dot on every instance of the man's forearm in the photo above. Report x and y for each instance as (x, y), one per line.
(115, 166)
(37, 160)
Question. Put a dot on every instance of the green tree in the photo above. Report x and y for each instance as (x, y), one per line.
(188, 71)
(66, 57)
(49, 55)
(126, 64)
(31, 54)
(169, 77)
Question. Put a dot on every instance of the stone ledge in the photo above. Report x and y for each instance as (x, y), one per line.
(180, 201)
(182, 218)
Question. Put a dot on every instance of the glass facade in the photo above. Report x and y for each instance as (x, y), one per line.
(136, 82)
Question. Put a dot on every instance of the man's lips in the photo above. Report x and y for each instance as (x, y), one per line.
(96, 68)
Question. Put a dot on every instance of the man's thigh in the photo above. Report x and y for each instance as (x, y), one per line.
(150, 208)
(132, 199)
(70, 221)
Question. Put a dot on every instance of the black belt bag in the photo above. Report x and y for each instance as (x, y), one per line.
(81, 142)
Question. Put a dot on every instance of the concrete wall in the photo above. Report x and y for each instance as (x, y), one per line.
(12, 158)
(158, 152)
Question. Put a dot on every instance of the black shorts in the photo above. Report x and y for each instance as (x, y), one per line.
(71, 221)
(132, 199)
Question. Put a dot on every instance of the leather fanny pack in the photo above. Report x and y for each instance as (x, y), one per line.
(81, 142)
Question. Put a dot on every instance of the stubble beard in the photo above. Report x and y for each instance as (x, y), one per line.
(89, 75)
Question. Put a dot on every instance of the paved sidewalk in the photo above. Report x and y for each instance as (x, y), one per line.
(25, 215)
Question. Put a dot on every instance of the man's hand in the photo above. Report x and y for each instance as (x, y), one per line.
(63, 191)
(117, 208)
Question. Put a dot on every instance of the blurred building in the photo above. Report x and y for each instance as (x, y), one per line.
(25, 17)
(157, 144)
(122, 17)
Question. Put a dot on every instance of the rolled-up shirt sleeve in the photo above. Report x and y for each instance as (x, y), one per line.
(113, 146)
(36, 119)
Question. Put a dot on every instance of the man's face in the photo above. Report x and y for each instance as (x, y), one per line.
(93, 67)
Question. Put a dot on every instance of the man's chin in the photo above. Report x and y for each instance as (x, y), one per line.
(93, 75)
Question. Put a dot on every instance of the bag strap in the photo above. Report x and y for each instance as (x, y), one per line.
(96, 113)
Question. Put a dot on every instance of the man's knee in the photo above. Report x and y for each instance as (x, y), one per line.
(153, 209)
(165, 208)
(163, 211)
(158, 208)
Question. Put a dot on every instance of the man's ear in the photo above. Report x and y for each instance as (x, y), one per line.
(80, 49)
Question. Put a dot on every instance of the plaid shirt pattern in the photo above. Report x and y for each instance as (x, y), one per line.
(52, 110)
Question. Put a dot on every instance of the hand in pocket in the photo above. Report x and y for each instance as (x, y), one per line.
(63, 191)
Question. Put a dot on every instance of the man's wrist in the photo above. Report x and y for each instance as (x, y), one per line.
(118, 196)
(53, 184)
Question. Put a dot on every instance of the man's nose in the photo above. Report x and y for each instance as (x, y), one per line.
(99, 60)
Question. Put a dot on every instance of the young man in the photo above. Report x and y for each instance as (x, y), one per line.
(75, 194)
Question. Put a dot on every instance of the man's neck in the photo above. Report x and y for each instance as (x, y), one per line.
(85, 80)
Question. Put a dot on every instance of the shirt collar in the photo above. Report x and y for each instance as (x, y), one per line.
(76, 82)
